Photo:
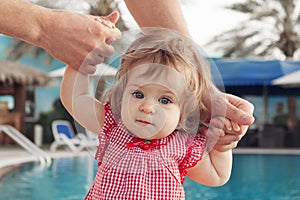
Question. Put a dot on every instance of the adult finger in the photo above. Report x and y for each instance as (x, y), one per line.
(109, 23)
(87, 69)
(227, 142)
(222, 122)
(96, 57)
(239, 110)
(229, 138)
(223, 148)
(113, 17)
(89, 64)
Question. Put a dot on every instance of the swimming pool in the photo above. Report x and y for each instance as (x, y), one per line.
(254, 177)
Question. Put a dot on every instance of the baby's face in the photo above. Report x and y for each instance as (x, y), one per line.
(151, 105)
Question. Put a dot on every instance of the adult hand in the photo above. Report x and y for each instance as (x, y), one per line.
(226, 105)
(81, 41)
(223, 134)
(239, 111)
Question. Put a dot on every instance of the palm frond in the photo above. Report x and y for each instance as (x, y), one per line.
(230, 51)
(257, 35)
(246, 7)
(260, 15)
(248, 50)
(298, 20)
(266, 50)
(16, 49)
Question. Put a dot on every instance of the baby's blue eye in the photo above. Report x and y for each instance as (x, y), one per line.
(164, 100)
(138, 95)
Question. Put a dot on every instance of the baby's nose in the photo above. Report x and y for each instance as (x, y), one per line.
(148, 107)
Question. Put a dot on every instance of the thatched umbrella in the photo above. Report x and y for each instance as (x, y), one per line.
(14, 79)
(15, 73)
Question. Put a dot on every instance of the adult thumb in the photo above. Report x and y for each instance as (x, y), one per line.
(241, 116)
(113, 17)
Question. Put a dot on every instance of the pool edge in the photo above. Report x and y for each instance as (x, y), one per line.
(264, 151)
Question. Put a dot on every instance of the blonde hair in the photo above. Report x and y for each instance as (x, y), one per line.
(169, 48)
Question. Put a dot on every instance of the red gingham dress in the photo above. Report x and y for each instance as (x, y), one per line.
(131, 172)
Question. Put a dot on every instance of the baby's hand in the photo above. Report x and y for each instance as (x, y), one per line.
(229, 133)
(230, 126)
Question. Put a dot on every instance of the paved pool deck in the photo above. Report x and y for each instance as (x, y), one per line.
(11, 157)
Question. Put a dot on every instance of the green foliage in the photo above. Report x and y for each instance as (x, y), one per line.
(46, 119)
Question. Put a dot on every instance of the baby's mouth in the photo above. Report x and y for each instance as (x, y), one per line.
(143, 122)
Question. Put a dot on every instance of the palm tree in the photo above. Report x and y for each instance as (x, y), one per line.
(19, 48)
(272, 30)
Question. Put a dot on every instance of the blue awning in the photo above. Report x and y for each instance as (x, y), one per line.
(251, 72)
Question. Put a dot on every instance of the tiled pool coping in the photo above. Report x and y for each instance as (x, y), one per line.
(9, 157)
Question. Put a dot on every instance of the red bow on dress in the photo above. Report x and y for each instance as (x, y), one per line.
(143, 144)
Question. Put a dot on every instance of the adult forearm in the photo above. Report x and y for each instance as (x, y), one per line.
(21, 19)
(157, 13)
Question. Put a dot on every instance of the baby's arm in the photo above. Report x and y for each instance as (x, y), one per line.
(86, 110)
(215, 168)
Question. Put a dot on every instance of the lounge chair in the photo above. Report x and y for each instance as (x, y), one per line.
(64, 136)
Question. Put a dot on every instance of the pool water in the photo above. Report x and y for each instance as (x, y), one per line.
(254, 177)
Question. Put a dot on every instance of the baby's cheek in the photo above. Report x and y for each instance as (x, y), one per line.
(174, 120)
